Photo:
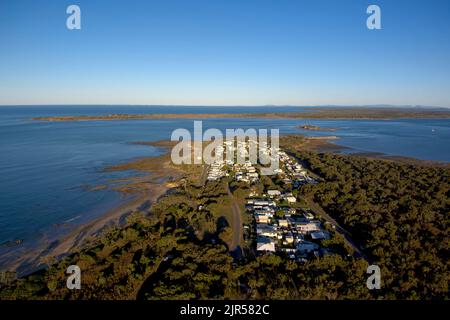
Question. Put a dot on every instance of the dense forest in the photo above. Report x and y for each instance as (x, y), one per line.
(398, 213)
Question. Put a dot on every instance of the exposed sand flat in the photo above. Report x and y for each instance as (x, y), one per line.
(322, 138)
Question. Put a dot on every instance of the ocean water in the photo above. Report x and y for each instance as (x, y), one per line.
(47, 167)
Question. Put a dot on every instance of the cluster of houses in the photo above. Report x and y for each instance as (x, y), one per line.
(217, 170)
(279, 226)
(293, 171)
(246, 172)
(283, 228)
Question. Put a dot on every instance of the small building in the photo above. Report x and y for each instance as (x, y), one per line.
(320, 235)
(262, 218)
(264, 244)
(291, 211)
(253, 176)
(283, 223)
(291, 199)
(309, 226)
(266, 230)
(308, 215)
(274, 193)
(289, 237)
(306, 246)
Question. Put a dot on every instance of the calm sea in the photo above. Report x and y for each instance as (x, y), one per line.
(46, 168)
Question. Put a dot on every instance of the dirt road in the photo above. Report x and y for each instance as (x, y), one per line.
(236, 223)
(318, 209)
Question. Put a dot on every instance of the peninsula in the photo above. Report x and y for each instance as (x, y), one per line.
(308, 232)
(357, 113)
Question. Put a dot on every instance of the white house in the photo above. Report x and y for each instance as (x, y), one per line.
(274, 193)
(261, 218)
(291, 199)
(308, 215)
(266, 230)
(289, 237)
(283, 223)
(265, 244)
(309, 226)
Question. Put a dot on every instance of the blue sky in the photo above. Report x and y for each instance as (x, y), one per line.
(217, 52)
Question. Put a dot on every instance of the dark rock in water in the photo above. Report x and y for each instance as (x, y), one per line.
(12, 243)
(315, 128)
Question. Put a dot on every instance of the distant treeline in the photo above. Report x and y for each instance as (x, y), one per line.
(312, 113)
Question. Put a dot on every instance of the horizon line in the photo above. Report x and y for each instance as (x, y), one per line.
(233, 106)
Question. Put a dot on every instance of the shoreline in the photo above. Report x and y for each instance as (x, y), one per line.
(159, 177)
(322, 144)
(142, 191)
